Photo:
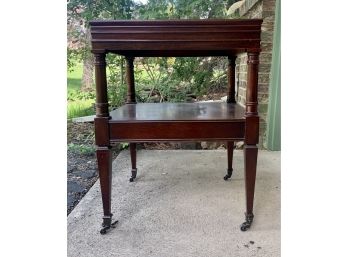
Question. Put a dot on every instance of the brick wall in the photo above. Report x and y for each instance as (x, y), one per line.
(253, 9)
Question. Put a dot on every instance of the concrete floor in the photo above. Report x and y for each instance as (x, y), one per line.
(181, 206)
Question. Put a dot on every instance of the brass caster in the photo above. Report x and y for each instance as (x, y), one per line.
(229, 174)
(107, 228)
(247, 224)
(107, 225)
(134, 175)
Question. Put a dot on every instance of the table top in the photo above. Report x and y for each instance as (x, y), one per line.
(205, 37)
(207, 111)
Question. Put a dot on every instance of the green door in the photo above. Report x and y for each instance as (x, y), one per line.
(273, 118)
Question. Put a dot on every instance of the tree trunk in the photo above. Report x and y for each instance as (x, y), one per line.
(88, 67)
(87, 74)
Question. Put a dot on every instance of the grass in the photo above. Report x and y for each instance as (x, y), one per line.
(77, 108)
(80, 108)
(74, 78)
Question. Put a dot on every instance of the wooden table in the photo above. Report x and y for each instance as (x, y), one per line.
(148, 122)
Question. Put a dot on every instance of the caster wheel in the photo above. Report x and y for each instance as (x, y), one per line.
(107, 228)
(134, 175)
(228, 175)
(245, 226)
(248, 220)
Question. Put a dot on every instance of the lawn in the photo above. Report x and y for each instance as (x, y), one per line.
(77, 107)
(74, 78)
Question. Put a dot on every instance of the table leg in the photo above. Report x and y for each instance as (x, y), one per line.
(104, 159)
(133, 153)
(250, 162)
(230, 147)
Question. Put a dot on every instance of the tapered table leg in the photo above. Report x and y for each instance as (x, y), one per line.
(250, 162)
(133, 153)
(230, 147)
(104, 159)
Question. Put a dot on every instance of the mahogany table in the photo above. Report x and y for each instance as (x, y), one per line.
(149, 122)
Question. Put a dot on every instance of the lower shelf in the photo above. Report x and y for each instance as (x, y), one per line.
(207, 111)
(177, 122)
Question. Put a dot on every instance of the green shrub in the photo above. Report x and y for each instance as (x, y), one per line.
(79, 95)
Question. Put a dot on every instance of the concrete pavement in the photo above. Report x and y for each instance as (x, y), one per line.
(181, 206)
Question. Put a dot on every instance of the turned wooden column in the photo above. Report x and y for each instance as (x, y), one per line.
(130, 80)
(231, 75)
(252, 84)
(102, 106)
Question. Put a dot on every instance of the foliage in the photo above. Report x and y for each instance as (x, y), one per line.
(117, 89)
(124, 146)
(183, 9)
(72, 58)
(80, 12)
(78, 95)
(81, 149)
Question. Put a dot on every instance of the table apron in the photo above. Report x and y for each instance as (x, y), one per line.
(176, 131)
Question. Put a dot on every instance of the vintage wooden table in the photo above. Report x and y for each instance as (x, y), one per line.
(149, 122)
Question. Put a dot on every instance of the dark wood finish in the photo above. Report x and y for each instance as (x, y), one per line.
(231, 76)
(133, 153)
(130, 80)
(104, 159)
(157, 131)
(101, 125)
(131, 100)
(230, 147)
(251, 137)
(251, 94)
(101, 90)
(133, 149)
(176, 37)
(179, 112)
(177, 122)
(250, 158)
(168, 25)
